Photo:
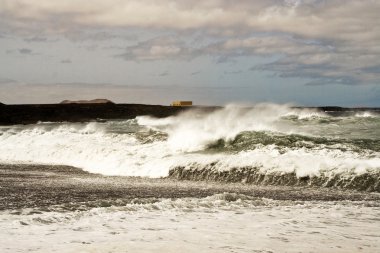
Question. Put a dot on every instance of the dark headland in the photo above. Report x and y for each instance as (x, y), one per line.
(80, 112)
(102, 109)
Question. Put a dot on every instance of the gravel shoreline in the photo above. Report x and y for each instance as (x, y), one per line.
(41, 186)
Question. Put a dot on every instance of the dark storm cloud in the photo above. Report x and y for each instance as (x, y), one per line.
(66, 61)
(22, 51)
(195, 73)
(25, 51)
(233, 72)
(165, 73)
(36, 39)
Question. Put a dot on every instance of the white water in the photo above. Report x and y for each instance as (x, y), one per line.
(193, 130)
(212, 224)
(366, 115)
(96, 148)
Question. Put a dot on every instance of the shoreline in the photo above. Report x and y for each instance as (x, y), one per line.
(34, 113)
(42, 186)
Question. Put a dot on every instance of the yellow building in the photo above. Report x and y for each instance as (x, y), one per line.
(182, 103)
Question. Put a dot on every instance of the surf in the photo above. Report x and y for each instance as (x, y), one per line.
(261, 144)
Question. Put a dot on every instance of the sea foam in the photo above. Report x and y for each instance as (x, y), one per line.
(153, 147)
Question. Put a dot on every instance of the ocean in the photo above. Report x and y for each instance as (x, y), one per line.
(267, 178)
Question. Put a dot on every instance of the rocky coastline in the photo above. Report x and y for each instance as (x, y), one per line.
(84, 112)
(33, 113)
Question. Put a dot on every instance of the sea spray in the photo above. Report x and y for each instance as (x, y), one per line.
(195, 129)
(271, 140)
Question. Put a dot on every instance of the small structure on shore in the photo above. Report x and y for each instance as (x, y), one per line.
(93, 101)
(182, 103)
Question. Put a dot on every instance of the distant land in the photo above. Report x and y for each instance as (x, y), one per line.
(93, 101)
(104, 109)
(80, 112)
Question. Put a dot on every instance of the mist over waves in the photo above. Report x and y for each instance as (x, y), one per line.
(263, 144)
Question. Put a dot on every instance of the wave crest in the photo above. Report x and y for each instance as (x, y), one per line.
(250, 175)
(193, 130)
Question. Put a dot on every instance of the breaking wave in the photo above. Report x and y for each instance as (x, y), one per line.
(264, 144)
(368, 181)
(195, 129)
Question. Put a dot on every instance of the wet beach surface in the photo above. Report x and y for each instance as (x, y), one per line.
(314, 191)
(46, 208)
(39, 186)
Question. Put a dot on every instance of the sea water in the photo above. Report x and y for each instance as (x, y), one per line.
(265, 144)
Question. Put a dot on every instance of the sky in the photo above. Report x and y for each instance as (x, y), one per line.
(213, 52)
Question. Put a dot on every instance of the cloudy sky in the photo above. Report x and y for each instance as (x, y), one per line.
(307, 52)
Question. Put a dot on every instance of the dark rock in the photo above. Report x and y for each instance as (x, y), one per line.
(30, 114)
(93, 101)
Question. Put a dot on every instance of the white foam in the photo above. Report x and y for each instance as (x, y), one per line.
(193, 130)
(303, 162)
(365, 115)
(198, 225)
(87, 147)
(94, 148)
(116, 154)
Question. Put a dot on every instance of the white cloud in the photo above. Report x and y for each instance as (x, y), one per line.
(159, 48)
(309, 34)
(325, 62)
(336, 19)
